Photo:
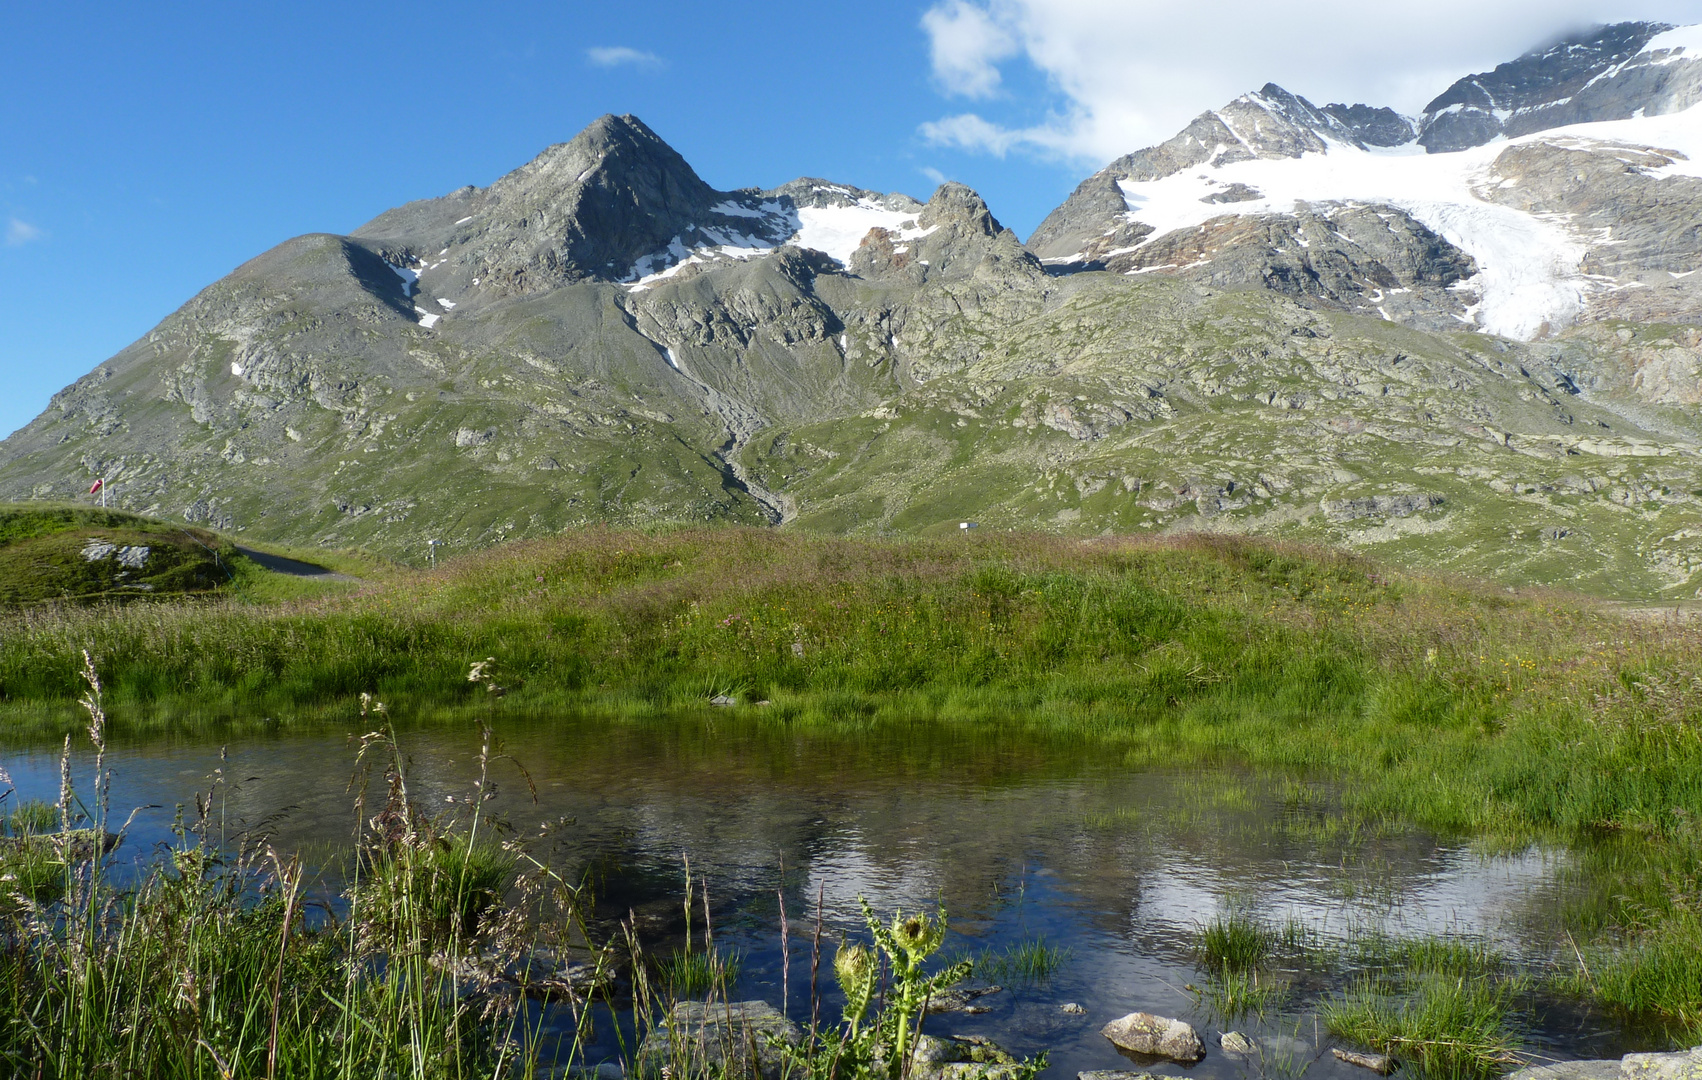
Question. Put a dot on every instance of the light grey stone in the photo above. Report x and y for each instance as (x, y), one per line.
(1684, 1065)
(1570, 1070)
(1155, 1036)
(1381, 1064)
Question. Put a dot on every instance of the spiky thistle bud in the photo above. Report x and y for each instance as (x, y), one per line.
(917, 935)
(854, 967)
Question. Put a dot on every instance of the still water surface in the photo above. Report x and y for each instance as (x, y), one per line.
(1019, 838)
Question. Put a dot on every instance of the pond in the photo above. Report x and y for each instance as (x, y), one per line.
(1117, 867)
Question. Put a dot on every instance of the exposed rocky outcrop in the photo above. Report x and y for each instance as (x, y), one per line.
(1641, 221)
(1375, 260)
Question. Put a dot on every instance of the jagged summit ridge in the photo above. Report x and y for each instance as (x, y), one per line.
(1608, 73)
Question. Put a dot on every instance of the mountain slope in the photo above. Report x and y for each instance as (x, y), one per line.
(1290, 319)
(583, 341)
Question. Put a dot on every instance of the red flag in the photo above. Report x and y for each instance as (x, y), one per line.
(97, 486)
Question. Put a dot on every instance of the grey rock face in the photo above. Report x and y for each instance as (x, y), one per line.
(1570, 1070)
(1374, 126)
(1155, 1036)
(1602, 74)
(961, 1057)
(584, 209)
(1388, 506)
(1234, 193)
(1370, 259)
(1644, 221)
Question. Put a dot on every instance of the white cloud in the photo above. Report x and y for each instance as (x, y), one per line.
(1123, 74)
(968, 131)
(965, 43)
(609, 56)
(934, 174)
(19, 233)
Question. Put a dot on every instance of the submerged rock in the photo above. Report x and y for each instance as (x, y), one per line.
(961, 1057)
(1382, 1064)
(1072, 1008)
(1115, 1074)
(607, 1070)
(962, 1001)
(737, 1038)
(1233, 1042)
(1155, 1036)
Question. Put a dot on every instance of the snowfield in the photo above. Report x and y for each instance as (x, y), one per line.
(836, 231)
(1529, 275)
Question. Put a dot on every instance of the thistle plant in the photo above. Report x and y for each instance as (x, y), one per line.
(906, 944)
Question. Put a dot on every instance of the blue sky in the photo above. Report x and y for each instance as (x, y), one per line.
(146, 150)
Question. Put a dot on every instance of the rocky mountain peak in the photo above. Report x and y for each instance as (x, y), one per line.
(959, 207)
(955, 236)
(1605, 73)
(613, 153)
(586, 208)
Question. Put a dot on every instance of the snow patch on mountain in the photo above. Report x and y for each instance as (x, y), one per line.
(1529, 279)
(410, 278)
(1684, 38)
(836, 231)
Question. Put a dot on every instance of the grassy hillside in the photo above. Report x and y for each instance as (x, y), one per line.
(54, 552)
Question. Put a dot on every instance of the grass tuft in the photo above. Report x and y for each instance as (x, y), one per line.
(1233, 942)
(1450, 1027)
(1033, 961)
